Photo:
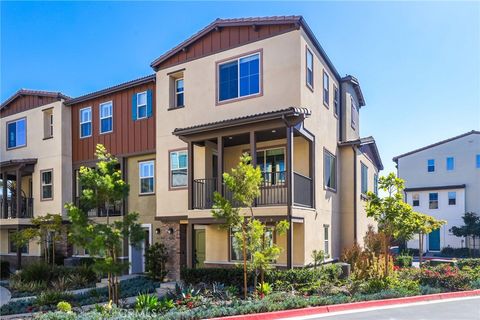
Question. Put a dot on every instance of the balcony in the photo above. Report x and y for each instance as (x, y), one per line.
(215, 148)
(100, 212)
(8, 209)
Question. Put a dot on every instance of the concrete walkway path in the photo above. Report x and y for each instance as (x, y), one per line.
(4, 296)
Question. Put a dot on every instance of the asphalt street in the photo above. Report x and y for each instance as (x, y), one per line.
(454, 309)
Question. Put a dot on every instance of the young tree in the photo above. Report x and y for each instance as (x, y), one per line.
(102, 186)
(393, 215)
(244, 183)
(422, 225)
(471, 228)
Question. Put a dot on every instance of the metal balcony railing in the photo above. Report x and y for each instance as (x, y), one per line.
(11, 209)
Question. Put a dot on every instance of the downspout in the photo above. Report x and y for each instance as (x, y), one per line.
(354, 194)
(340, 113)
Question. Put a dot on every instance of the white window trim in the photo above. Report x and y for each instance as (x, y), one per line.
(42, 184)
(363, 165)
(434, 166)
(326, 240)
(310, 85)
(146, 177)
(326, 152)
(327, 96)
(336, 100)
(90, 121)
(51, 124)
(181, 92)
(142, 105)
(453, 164)
(353, 107)
(8, 138)
(179, 168)
(238, 78)
(101, 118)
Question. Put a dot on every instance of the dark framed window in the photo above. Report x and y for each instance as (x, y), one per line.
(336, 100)
(329, 170)
(452, 198)
(477, 158)
(364, 179)
(450, 162)
(48, 123)
(309, 68)
(86, 122)
(12, 247)
(106, 117)
(326, 241)
(431, 165)
(146, 172)
(47, 184)
(353, 115)
(141, 105)
(272, 165)
(375, 183)
(433, 200)
(415, 200)
(178, 168)
(326, 88)
(17, 133)
(179, 93)
(239, 77)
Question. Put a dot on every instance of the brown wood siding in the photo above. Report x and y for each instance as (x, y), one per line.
(24, 103)
(128, 136)
(224, 39)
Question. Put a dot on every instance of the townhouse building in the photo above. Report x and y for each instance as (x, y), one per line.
(263, 86)
(266, 87)
(35, 165)
(122, 118)
(443, 180)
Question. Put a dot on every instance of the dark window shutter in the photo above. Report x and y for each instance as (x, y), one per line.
(149, 103)
(134, 107)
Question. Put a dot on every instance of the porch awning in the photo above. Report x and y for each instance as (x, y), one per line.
(11, 165)
(292, 115)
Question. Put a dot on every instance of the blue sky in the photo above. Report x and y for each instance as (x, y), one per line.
(418, 63)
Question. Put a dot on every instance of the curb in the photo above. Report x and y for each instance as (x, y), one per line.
(350, 306)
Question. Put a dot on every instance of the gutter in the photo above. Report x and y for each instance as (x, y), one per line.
(354, 194)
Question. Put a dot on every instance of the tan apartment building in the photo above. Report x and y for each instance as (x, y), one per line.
(123, 119)
(35, 165)
(263, 86)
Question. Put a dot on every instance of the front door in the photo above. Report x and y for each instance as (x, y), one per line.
(199, 255)
(137, 254)
(434, 240)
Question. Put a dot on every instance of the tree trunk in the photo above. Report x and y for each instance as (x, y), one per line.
(53, 250)
(387, 254)
(244, 249)
(420, 249)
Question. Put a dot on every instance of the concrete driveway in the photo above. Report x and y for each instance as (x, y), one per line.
(4, 296)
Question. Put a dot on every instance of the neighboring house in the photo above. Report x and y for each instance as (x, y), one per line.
(263, 86)
(122, 118)
(35, 164)
(443, 180)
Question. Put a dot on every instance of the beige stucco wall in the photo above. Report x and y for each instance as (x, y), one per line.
(34, 248)
(54, 153)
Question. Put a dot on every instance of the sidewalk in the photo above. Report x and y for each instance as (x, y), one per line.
(4, 296)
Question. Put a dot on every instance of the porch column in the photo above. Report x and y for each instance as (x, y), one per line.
(290, 193)
(220, 165)
(190, 175)
(189, 244)
(5, 194)
(19, 208)
(253, 154)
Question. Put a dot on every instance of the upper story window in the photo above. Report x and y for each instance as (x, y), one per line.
(336, 100)
(326, 89)
(325, 239)
(106, 117)
(309, 69)
(450, 163)
(17, 133)
(47, 184)
(239, 78)
(353, 114)
(415, 200)
(85, 122)
(433, 200)
(478, 161)
(329, 170)
(146, 170)
(178, 168)
(48, 123)
(179, 93)
(431, 165)
(364, 185)
(452, 198)
(272, 165)
(375, 183)
(142, 105)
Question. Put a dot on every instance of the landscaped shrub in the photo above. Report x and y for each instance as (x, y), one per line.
(472, 263)
(458, 252)
(64, 306)
(445, 276)
(36, 271)
(52, 298)
(403, 261)
(4, 269)
(227, 276)
(156, 257)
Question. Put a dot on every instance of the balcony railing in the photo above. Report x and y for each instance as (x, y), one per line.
(273, 191)
(115, 211)
(302, 190)
(11, 210)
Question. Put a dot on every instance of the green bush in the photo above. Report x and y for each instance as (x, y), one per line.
(458, 252)
(403, 261)
(64, 306)
(146, 302)
(37, 271)
(472, 263)
(227, 276)
(51, 298)
(156, 257)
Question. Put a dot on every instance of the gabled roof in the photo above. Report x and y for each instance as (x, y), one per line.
(112, 89)
(264, 116)
(38, 93)
(366, 142)
(254, 21)
(395, 159)
(356, 87)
